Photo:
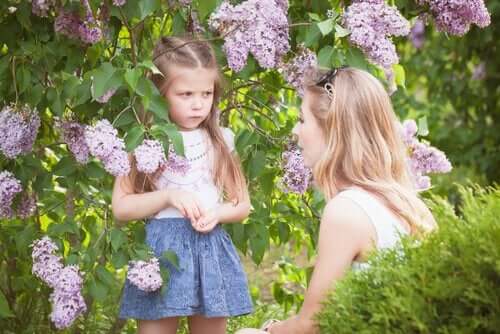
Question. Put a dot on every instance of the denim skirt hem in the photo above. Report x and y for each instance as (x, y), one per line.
(209, 280)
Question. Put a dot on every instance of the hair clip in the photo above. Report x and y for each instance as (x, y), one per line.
(326, 81)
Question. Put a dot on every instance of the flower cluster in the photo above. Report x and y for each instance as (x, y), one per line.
(295, 69)
(9, 188)
(456, 16)
(74, 136)
(27, 206)
(372, 23)
(106, 96)
(259, 27)
(72, 25)
(18, 130)
(67, 300)
(417, 33)
(145, 275)
(149, 156)
(104, 143)
(424, 159)
(297, 177)
(41, 7)
(176, 163)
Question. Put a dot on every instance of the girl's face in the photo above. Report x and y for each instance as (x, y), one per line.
(309, 134)
(190, 95)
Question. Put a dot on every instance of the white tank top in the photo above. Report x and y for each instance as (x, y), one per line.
(388, 226)
(198, 179)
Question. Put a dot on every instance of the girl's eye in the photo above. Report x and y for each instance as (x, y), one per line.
(207, 94)
(186, 94)
(301, 120)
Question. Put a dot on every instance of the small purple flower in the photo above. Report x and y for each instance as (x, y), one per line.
(69, 280)
(41, 7)
(176, 163)
(27, 206)
(74, 136)
(46, 265)
(259, 27)
(297, 177)
(145, 275)
(417, 34)
(106, 96)
(150, 155)
(479, 71)
(117, 163)
(66, 307)
(295, 70)
(9, 188)
(18, 130)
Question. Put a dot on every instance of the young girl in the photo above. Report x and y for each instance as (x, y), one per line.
(350, 136)
(188, 208)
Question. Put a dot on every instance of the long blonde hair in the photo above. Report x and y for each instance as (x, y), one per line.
(191, 53)
(364, 146)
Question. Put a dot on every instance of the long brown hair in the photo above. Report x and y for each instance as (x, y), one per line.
(192, 53)
(364, 146)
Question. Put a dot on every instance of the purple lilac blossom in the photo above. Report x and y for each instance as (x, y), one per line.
(145, 275)
(74, 136)
(41, 7)
(371, 24)
(456, 16)
(295, 69)
(18, 130)
(106, 96)
(259, 27)
(104, 143)
(9, 188)
(417, 34)
(150, 155)
(297, 177)
(176, 163)
(27, 206)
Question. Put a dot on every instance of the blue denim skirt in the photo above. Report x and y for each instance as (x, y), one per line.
(211, 281)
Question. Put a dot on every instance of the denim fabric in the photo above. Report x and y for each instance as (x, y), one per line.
(211, 281)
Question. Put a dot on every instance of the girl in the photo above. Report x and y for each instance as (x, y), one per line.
(350, 136)
(188, 208)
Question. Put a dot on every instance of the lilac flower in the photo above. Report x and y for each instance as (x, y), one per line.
(41, 7)
(106, 96)
(72, 25)
(46, 265)
(371, 24)
(295, 69)
(456, 16)
(27, 206)
(42, 247)
(423, 158)
(145, 275)
(18, 130)
(149, 156)
(66, 307)
(297, 177)
(417, 34)
(74, 136)
(176, 163)
(9, 188)
(104, 143)
(479, 71)
(259, 27)
(67, 23)
(119, 3)
(69, 280)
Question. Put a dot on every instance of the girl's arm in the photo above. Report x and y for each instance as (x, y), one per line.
(230, 213)
(345, 232)
(129, 206)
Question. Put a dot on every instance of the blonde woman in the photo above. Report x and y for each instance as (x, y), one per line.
(349, 135)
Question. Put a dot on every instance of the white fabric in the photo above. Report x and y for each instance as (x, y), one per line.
(388, 226)
(198, 179)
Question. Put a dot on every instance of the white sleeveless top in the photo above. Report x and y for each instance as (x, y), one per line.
(388, 226)
(198, 179)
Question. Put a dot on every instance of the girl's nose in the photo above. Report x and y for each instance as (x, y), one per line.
(197, 104)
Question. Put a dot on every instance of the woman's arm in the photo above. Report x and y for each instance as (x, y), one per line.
(344, 233)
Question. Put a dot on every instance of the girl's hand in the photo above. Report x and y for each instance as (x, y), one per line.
(207, 222)
(186, 202)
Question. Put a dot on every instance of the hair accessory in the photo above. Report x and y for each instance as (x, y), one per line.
(326, 81)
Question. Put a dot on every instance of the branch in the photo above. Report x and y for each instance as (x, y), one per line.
(132, 38)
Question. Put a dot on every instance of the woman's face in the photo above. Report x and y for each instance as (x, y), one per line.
(309, 134)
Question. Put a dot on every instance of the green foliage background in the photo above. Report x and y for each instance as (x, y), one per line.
(62, 78)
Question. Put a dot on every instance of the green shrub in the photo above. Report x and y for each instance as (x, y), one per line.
(449, 283)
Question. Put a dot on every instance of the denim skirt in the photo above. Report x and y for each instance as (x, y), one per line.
(210, 282)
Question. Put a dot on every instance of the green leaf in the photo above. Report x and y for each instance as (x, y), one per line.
(158, 106)
(98, 290)
(399, 75)
(165, 275)
(341, 31)
(105, 276)
(423, 129)
(326, 27)
(104, 78)
(313, 35)
(176, 138)
(356, 58)
(257, 164)
(119, 259)
(134, 137)
(206, 7)
(132, 76)
(147, 7)
(178, 24)
(118, 239)
(171, 257)
(148, 64)
(5, 311)
(125, 118)
(314, 17)
(325, 56)
(66, 166)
